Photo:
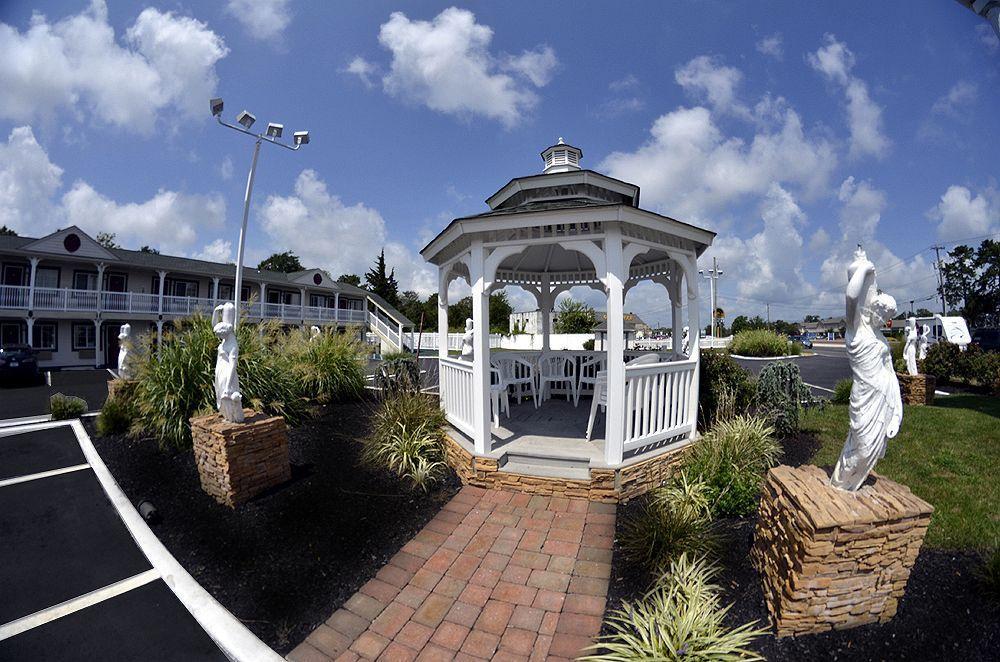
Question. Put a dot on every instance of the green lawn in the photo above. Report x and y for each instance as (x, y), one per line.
(948, 454)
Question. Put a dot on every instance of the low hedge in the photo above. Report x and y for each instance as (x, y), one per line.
(761, 343)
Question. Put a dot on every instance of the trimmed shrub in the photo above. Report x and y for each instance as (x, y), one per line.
(63, 407)
(724, 387)
(680, 618)
(780, 394)
(842, 392)
(731, 460)
(407, 439)
(329, 367)
(759, 342)
(673, 519)
(588, 345)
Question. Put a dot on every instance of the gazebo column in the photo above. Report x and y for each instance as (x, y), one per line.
(694, 325)
(545, 304)
(482, 435)
(677, 310)
(443, 312)
(614, 437)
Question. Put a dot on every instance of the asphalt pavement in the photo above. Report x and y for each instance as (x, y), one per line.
(22, 400)
(820, 371)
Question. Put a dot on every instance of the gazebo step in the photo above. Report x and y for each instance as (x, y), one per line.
(542, 464)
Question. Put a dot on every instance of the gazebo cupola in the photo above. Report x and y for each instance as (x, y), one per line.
(561, 158)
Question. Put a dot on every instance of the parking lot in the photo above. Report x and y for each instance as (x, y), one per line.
(21, 400)
(820, 372)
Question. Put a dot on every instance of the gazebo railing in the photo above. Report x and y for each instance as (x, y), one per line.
(455, 388)
(657, 402)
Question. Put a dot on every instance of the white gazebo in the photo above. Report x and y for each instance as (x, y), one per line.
(547, 233)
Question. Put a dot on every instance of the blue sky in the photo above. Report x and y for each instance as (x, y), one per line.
(791, 129)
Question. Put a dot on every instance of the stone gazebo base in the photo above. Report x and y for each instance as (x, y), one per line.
(606, 485)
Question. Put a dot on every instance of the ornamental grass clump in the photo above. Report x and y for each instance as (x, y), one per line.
(680, 618)
(759, 343)
(842, 392)
(176, 380)
(731, 460)
(118, 411)
(672, 520)
(407, 439)
(63, 407)
(329, 367)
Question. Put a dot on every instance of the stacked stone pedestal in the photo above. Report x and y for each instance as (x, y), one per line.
(237, 461)
(916, 389)
(831, 559)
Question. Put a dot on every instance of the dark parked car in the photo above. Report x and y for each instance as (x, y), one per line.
(987, 340)
(803, 340)
(18, 363)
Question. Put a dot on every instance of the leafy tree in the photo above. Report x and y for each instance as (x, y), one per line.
(149, 249)
(785, 328)
(6, 232)
(380, 282)
(286, 262)
(350, 279)
(811, 318)
(411, 306)
(972, 279)
(575, 317)
(107, 239)
(500, 311)
(744, 323)
(923, 312)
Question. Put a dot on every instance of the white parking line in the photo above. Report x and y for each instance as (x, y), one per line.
(42, 474)
(44, 616)
(822, 388)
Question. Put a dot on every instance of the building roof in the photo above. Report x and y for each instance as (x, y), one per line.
(603, 327)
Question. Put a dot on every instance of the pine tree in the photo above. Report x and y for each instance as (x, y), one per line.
(381, 283)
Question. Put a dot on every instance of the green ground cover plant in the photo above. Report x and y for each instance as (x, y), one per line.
(760, 343)
(946, 453)
(680, 618)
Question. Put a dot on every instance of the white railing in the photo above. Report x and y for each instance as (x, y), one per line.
(666, 344)
(657, 402)
(390, 333)
(13, 296)
(455, 388)
(429, 340)
(187, 305)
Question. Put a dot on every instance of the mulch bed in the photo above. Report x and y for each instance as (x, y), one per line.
(944, 615)
(285, 561)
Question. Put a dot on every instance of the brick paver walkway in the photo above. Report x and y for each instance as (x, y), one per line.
(495, 575)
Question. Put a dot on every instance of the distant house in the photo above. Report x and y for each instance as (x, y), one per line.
(530, 321)
(831, 327)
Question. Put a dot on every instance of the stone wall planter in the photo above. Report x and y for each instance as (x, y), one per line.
(917, 389)
(237, 461)
(831, 559)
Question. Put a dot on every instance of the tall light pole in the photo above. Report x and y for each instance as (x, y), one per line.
(713, 275)
(271, 135)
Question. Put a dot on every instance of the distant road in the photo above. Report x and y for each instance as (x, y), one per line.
(821, 372)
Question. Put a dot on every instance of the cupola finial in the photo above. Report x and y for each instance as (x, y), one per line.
(561, 157)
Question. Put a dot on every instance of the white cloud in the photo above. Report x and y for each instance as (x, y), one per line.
(864, 117)
(216, 251)
(169, 220)
(625, 99)
(76, 63)
(690, 169)
(961, 95)
(446, 65)
(960, 214)
(324, 232)
(771, 46)
(706, 78)
(28, 182)
(363, 69)
(263, 19)
(623, 84)
(226, 168)
(987, 37)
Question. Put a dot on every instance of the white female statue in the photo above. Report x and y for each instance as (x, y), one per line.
(125, 351)
(314, 333)
(910, 348)
(467, 351)
(923, 342)
(227, 382)
(876, 406)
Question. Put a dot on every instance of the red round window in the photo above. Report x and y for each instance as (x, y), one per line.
(71, 242)
(317, 279)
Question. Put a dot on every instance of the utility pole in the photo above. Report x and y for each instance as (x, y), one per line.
(937, 263)
(768, 312)
(712, 276)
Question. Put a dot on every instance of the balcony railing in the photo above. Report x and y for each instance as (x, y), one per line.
(69, 300)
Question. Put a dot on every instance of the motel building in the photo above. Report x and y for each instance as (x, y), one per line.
(67, 296)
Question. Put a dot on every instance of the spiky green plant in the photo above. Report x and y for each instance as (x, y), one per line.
(330, 367)
(681, 618)
(407, 438)
(118, 411)
(672, 520)
(731, 460)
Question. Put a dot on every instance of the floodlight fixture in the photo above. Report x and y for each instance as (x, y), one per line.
(216, 106)
(246, 119)
(274, 130)
(300, 138)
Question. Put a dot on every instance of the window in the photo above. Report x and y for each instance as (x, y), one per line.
(14, 274)
(174, 287)
(84, 280)
(225, 292)
(13, 333)
(46, 337)
(84, 336)
(47, 277)
(115, 282)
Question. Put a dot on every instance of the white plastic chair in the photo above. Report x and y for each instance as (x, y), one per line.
(554, 369)
(498, 396)
(589, 368)
(601, 388)
(518, 373)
